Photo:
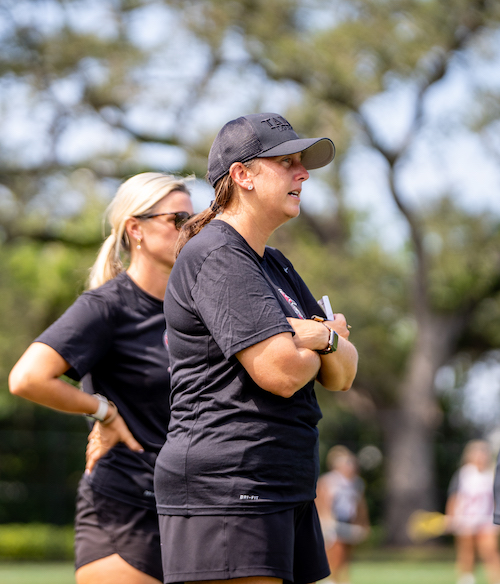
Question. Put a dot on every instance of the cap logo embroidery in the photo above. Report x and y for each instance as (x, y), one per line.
(277, 124)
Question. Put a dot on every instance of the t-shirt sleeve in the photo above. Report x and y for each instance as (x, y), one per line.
(235, 301)
(82, 335)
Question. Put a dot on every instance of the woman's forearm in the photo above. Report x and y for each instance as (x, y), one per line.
(278, 366)
(338, 369)
(36, 377)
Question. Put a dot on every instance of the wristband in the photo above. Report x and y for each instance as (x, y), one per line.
(113, 415)
(333, 338)
(102, 410)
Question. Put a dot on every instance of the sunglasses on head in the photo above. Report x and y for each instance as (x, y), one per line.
(180, 217)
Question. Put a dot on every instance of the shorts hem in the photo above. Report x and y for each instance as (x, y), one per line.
(308, 578)
(144, 568)
(88, 561)
(141, 568)
(490, 528)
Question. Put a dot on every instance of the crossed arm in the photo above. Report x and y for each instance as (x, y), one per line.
(283, 364)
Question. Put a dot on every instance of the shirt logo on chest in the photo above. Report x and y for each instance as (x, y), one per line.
(292, 303)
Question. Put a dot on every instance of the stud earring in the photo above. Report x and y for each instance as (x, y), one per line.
(139, 243)
(250, 187)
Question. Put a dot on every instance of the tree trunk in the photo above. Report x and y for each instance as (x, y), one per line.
(409, 472)
(409, 428)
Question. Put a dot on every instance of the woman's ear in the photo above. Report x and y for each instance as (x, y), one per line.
(134, 229)
(241, 175)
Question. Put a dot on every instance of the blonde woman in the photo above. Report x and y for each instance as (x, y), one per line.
(112, 339)
(470, 508)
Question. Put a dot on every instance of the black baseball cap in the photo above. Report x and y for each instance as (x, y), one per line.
(261, 136)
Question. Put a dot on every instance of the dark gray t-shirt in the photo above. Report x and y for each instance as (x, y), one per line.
(113, 339)
(233, 447)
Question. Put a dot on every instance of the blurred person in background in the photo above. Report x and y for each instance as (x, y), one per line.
(470, 514)
(112, 339)
(342, 510)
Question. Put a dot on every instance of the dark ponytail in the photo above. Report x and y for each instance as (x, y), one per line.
(224, 189)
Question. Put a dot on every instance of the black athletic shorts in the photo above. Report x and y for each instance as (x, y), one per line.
(105, 526)
(287, 545)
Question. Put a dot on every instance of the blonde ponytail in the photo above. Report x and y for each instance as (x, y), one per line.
(108, 263)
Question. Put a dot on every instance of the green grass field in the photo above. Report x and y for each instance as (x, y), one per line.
(362, 572)
(407, 573)
(36, 573)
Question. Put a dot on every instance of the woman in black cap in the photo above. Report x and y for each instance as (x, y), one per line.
(235, 481)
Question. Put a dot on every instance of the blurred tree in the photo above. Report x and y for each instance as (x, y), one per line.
(70, 76)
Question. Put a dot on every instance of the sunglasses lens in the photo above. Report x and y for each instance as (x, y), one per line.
(180, 218)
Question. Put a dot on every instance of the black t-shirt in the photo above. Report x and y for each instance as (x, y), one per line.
(233, 447)
(113, 339)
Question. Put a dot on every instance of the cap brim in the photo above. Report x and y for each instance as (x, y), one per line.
(316, 152)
